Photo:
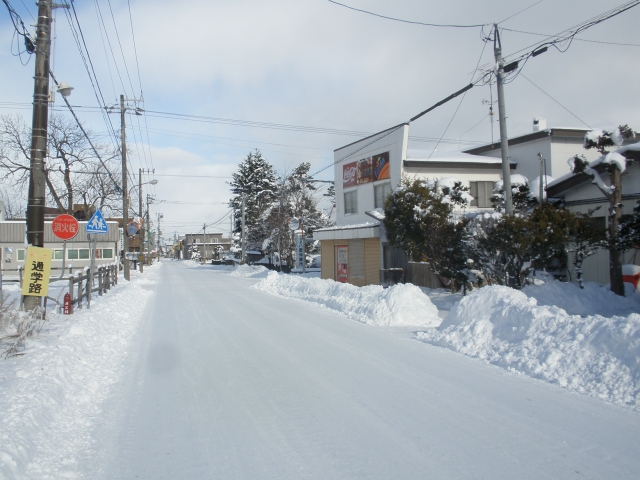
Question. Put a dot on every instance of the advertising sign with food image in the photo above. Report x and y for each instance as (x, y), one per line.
(365, 170)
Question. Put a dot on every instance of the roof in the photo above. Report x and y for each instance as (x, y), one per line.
(529, 137)
(421, 158)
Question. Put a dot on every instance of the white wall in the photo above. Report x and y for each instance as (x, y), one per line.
(396, 144)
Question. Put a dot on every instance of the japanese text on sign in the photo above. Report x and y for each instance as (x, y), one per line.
(37, 270)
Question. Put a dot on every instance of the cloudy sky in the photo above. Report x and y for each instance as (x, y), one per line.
(312, 63)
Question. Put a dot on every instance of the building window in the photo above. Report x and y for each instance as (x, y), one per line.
(72, 254)
(381, 192)
(58, 254)
(107, 253)
(481, 193)
(83, 254)
(195, 240)
(351, 202)
(21, 255)
(215, 240)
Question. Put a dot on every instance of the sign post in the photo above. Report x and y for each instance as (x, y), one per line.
(65, 227)
(95, 225)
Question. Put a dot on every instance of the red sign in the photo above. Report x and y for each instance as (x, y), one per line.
(64, 227)
(66, 308)
(342, 264)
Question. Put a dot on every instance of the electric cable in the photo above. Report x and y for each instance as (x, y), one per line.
(408, 21)
(573, 114)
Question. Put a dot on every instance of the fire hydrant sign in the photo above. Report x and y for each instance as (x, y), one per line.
(64, 227)
(37, 270)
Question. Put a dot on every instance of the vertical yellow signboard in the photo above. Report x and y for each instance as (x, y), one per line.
(37, 270)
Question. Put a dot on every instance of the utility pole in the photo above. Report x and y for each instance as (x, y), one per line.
(541, 186)
(504, 140)
(36, 201)
(125, 191)
(243, 239)
(204, 226)
(141, 231)
(148, 227)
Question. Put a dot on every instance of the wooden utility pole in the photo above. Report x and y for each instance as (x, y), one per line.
(36, 201)
(125, 191)
(141, 231)
(502, 117)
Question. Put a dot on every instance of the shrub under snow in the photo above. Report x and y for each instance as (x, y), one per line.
(590, 354)
(395, 306)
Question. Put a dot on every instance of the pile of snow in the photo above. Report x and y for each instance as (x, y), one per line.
(249, 271)
(374, 305)
(516, 180)
(589, 354)
(52, 394)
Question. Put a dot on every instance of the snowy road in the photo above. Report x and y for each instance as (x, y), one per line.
(229, 382)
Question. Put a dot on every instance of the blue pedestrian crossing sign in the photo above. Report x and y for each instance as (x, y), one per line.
(97, 224)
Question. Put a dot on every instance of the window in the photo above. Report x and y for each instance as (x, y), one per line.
(215, 240)
(381, 192)
(351, 202)
(21, 255)
(72, 254)
(107, 253)
(83, 254)
(195, 240)
(481, 193)
(58, 254)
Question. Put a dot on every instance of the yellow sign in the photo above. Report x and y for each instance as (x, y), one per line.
(37, 270)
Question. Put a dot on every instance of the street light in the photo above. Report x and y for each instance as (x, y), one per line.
(141, 231)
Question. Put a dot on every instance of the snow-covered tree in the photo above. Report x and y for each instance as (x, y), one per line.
(194, 253)
(614, 163)
(420, 219)
(257, 180)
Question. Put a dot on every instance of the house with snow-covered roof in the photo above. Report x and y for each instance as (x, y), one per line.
(579, 193)
(356, 250)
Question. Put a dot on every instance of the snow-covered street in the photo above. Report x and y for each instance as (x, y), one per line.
(229, 382)
(221, 380)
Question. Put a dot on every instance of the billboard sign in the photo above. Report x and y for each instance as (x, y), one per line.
(366, 170)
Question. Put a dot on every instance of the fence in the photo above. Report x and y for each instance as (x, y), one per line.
(81, 285)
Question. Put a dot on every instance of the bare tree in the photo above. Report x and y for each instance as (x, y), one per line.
(73, 172)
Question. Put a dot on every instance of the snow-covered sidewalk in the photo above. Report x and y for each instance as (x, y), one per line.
(51, 395)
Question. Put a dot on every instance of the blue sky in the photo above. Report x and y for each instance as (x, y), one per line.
(314, 63)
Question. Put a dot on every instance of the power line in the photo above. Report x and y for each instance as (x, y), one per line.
(523, 76)
(518, 13)
(408, 21)
(575, 39)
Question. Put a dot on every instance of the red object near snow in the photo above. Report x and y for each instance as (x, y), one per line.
(66, 305)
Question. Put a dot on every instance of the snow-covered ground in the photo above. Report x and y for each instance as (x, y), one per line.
(202, 371)
(50, 396)
(584, 340)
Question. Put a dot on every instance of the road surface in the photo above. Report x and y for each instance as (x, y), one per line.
(228, 382)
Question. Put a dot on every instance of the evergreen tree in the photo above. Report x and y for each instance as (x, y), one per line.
(420, 219)
(258, 181)
(615, 163)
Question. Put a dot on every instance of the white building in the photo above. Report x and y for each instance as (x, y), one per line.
(365, 172)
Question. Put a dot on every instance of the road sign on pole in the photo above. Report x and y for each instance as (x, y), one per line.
(97, 224)
(64, 227)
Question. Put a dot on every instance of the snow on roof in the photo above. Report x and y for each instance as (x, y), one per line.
(449, 157)
(348, 227)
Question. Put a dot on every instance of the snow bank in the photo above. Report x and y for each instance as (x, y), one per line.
(52, 394)
(255, 271)
(374, 305)
(592, 354)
